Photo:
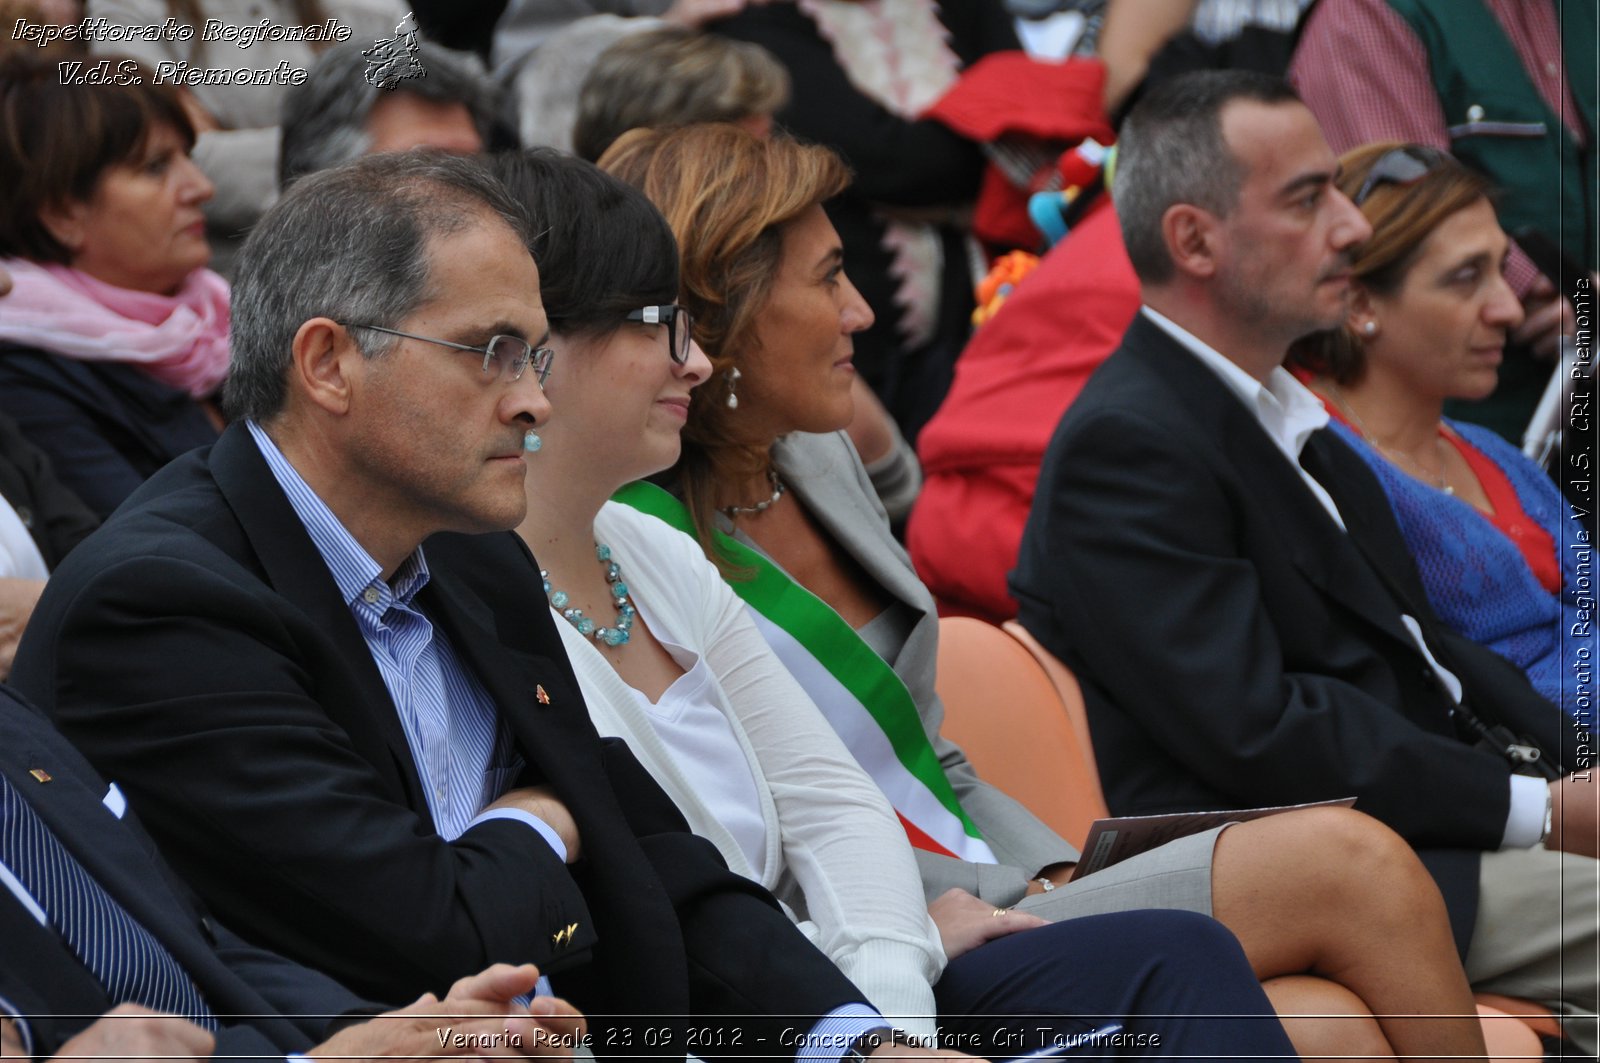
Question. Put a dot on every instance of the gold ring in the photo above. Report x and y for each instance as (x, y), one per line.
(997, 913)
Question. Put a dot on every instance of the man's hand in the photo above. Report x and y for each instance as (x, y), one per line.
(541, 801)
(965, 922)
(10, 1040)
(476, 1018)
(17, 599)
(1548, 317)
(888, 1052)
(129, 1031)
(564, 1025)
(1575, 815)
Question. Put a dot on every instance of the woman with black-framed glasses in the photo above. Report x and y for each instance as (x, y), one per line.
(1499, 553)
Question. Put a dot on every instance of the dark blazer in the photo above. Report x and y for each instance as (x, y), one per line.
(278, 1006)
(198, 650)
(55, 517)
(1236, 648)
(106, 426)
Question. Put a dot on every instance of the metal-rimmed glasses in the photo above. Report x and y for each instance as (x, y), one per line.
(680, 326)
(504, 357)
(1398, 166)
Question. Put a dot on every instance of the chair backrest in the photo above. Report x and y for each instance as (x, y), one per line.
(1013, 719)
(1071, 697)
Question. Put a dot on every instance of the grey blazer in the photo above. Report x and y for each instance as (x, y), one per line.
(825, 473)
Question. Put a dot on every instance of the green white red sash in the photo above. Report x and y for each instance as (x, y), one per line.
(857, 691)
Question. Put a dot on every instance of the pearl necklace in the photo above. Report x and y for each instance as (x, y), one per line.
(1438, 478)
(618, 633)
(763, 506)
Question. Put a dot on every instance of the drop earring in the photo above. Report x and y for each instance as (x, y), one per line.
(531, 441)
(732, 377)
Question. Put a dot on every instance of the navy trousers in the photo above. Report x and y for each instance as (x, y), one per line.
(1131, 985)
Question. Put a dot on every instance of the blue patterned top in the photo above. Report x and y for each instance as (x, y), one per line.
(1478, 581)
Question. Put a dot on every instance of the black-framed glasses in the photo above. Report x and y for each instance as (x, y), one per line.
(1398, 166)
(504, 357)
(680, 326)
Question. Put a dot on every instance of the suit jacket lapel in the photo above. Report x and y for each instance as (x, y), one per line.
(116, 855)
(293, 567)
(1328, 557)
(843, 512)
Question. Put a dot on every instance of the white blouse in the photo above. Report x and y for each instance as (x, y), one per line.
(700, 739)
(831, 849)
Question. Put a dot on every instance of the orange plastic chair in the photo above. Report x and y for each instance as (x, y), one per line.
(1012, 718)
(1506, 1039)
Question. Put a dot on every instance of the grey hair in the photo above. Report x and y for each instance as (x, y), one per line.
(323, 121)
(349, 244)
(673, 76)
(1171, 150)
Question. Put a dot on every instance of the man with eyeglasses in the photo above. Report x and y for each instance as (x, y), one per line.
(369, 753)
(1226, 579)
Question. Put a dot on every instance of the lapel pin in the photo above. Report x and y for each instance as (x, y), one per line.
(40, 774)
(538, 692)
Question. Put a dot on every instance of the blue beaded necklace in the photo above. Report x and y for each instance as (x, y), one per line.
(615, 635)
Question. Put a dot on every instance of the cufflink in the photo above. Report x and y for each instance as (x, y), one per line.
(563, 937)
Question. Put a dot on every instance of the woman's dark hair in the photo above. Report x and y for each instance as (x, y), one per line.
(57, 140)
(1402, 215)
(602, 248)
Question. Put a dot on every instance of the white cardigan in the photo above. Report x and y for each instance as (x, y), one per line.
(836, 856)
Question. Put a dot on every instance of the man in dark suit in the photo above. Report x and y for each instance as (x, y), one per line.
(371, 755)
(63, 945)
(1227, 582)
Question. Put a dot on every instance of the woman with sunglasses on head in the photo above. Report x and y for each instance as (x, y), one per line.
(1499, 551)
(1335, 912)
(669, 659)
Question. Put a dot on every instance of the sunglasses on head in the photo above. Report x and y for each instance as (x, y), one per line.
(1398, 166)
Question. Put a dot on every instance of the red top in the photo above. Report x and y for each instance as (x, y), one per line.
(1538, 548)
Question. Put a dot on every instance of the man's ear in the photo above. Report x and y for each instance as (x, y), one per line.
(67, 223)
(323, 364)
(1193, 237)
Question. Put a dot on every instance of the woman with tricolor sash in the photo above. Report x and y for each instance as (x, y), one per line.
(1334, 911)
(668, 658)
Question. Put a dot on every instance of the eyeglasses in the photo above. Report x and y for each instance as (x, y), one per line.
(1398, 166)
(504, 357)
(680, 327)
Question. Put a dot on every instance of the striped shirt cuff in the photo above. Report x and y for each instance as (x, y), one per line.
(826, 1041)
(546, 831)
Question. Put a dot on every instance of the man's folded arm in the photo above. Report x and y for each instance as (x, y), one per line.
(190, 691)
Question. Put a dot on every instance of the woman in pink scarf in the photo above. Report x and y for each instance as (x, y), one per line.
(115, 338)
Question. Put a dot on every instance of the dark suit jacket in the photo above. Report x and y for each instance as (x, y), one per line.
(279, 1005)
(53, 515)
(1235, 647)
(197, 649)
(106, 426)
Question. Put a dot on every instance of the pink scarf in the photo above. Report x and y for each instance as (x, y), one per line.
(181, 340)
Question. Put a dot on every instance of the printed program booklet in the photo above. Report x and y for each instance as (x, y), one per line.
(1112, 841)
